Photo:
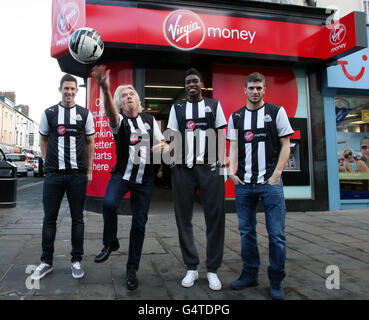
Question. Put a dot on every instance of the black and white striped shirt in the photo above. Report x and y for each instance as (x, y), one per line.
(134, 139)
(66, 128)
(258, 133)
(192, 120)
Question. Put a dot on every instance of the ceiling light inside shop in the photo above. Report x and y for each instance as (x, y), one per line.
(163, 87)
(158, 98)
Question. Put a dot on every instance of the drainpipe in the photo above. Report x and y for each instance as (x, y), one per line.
(311, 3)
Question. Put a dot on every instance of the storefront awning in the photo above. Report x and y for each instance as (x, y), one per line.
(206, 31)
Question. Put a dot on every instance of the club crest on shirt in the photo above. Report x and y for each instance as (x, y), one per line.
(207, 109)
(78, 117)
(190, 125)
(267, 118)
(61, 130)
(147, 126)
(249, 136)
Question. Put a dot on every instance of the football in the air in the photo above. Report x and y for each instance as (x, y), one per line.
(86, 45)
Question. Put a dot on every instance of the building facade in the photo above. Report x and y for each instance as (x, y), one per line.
(151, 44)
(7, 123)
(18, 130)
(346, 107)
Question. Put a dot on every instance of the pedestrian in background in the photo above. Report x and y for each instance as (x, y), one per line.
(259, 135)
(67, 144)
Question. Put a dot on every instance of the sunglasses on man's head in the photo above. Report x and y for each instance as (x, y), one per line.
(347, 154)
(364, 147)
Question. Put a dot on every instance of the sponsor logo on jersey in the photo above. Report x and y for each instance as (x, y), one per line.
(133, 139)
(190, 125)
(62, 130)
(249, 136)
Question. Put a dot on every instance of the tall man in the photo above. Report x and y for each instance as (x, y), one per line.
(197, 119)
(67, 142)
(130, 126)
(260, 131)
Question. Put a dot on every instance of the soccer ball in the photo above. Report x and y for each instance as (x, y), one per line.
(86, 45)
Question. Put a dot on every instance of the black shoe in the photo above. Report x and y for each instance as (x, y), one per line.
(104, 254)
(245, 281)
(131, 280)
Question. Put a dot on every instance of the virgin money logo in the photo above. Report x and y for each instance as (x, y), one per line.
(61, 130)
(249, 136)
(133, 138)
(190, 125)
(184, 29)
(338, 33)
(68, 18)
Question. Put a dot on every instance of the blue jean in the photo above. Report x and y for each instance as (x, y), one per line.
(55, 186)
(247, 197)
(140, 205)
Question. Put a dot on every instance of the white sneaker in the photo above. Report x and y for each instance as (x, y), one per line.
(77, 271)
(189, 280)
(214, 282)
(42, 270)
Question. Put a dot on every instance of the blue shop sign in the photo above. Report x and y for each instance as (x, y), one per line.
(351, 72)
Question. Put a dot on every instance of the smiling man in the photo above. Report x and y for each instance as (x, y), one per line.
(198, 119)
(259, 135)
(67, 141)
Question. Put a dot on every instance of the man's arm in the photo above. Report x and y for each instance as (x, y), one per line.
(233, 146)
(43, 145)
(101, 74)
(284, 154)
(90, 148)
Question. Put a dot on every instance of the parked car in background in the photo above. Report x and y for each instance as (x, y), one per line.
(21, 161)
(2, 155)
(38, 167)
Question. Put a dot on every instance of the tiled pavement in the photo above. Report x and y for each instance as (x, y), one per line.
(315, 240)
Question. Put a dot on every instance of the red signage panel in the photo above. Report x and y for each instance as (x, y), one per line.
(186, 30)
(67, 16)
(340, 38)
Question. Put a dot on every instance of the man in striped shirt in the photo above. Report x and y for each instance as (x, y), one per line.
(198, 120)
(67, 142)
(136, 135)
(259, 135)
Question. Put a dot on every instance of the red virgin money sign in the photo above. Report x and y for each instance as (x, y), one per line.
(184, 29)
(67, 16)
(338, 34)
(213, 31)
(339, 39)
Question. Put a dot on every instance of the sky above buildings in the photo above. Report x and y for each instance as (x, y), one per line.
(26, 65)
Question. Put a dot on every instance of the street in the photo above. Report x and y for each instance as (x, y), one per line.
(327, 256)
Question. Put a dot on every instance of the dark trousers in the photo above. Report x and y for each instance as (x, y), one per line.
(185, 181)
(140, 205)
(55, 186)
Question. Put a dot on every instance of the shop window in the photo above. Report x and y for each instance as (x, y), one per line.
(352, 120)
